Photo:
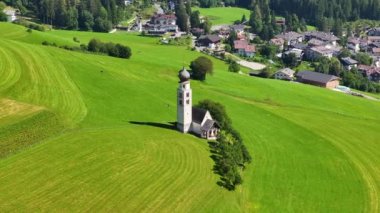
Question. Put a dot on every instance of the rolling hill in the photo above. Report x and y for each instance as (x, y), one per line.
(84, 132)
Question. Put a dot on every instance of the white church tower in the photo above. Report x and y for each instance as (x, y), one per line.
(184, 102)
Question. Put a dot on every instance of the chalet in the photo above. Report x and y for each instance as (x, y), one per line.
(279, 42)
(284, 74)
(10, 13)
(291, 37)
(375, 51)
(353, 44)
(197, 31)
(325, 37)
(318, 79)
(297, 52)
(210, 41)
(349, 63)
(373, 39)
(370, 72)
(239, 28)
(315, 42)
(374, 32)
(328, 51)
(243, 48)
(161, 24)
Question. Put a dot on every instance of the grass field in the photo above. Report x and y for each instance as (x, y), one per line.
(314, 150)
(223, 15)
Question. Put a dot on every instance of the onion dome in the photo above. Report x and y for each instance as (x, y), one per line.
(183, 75)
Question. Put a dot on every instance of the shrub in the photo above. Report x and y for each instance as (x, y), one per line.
(234, 67)
(3, 16)
(200, 67)
(75, 39)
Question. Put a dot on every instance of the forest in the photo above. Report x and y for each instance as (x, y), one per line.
(101, 15)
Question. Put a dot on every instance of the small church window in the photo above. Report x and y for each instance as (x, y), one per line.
(187, 94)
(187, 101)
(180, 102)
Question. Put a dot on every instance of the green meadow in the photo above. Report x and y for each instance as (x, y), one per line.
(223, 15)
(84, 132)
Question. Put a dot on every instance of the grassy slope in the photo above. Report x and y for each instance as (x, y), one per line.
(314, 150)
(223, 15)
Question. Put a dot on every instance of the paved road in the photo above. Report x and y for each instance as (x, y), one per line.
(251, 65)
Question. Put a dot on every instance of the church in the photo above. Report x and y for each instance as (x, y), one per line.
(192, 119)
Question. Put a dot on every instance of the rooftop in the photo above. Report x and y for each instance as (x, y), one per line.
(316, 77)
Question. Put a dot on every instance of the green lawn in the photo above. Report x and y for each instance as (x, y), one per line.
(223, 15)
(314, 150)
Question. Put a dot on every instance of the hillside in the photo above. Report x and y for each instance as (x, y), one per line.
(110, 147)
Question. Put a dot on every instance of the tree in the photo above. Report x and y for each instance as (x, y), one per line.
(195, 21)
(243, 19)
(182, 16)
(234, 67)
(3, 16)
(363, 58)
(217, 111)
(269, 51)
(124, 51)
(337, 29)
(290, 60)
(86, 20)
(200, 67)
(255, 20)
(206, 26)
(323, 65)
(94, 45)
(335, 67)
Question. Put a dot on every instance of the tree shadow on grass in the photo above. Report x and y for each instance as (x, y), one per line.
(168, 125)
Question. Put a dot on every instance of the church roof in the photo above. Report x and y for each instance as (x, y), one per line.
(209, 124)
(198, 115)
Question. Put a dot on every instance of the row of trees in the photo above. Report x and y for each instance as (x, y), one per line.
(97, 15)
(187, 19)
(114, 50)
(228, 152)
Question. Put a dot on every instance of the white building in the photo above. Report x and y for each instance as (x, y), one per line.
(189, 118)
(11, 14)
(284, 74)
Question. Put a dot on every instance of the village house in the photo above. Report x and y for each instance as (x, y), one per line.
(374, 32)
(239, 28)
(161, 24)
(210, 41)
(297, 52)
(291, 38)
(243, 48)
(279, 42)
(370, 72)
(128, 2)
(285, 74)
(373, 39)
(318, 79)
(328, 38)
(349, 63)
(315, 42)
(353, 44)
(10, 13)
(328, 51)
(375, 51)
(192, 119)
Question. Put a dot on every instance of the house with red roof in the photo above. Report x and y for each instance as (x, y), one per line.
(243, 48)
